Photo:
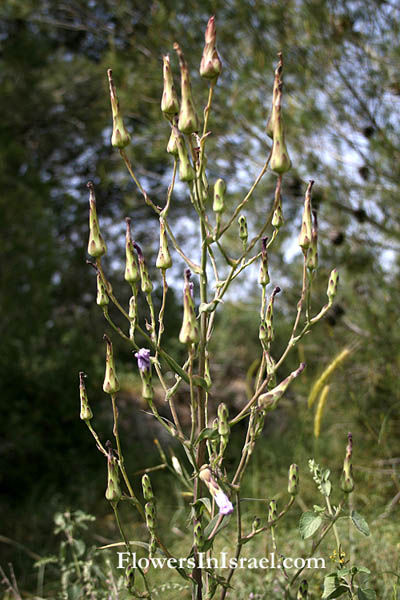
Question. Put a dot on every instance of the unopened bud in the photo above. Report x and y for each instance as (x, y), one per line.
(210, 66)
(96, 245)
(277, 217)
(132, 275)
(113, 491)
(186, 171)
(86, 412)
(312, 254)
(147, 489)
(132, 314)
(302, 594)
(305, 236)
(152, 547)
(219, 196)
(270, 400)
(223, 420)
(272, 511)
(269, 317)
(146, 285)
(164, 260)
(198, 536)
(169, 101)
(243, 233)
(332, 285)
(150, 515)
(263, 277)
(102, 298)
(277, 81)
(280, 161)
(346, 480)
(120, 137)
(188, 121)
(189, 333)
(293, 484)
(172, 146)
(111, 383)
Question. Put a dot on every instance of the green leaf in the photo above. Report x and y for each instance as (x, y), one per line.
(208, 530)
(208, 434)
(309, 523)
(359, 522)
(332, 587)
(363, 570)
(366, 594)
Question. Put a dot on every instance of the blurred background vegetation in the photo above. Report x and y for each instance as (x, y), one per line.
(341, 104)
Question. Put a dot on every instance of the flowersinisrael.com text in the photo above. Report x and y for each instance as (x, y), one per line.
(222, 562)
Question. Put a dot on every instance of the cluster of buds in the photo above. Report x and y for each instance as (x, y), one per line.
(113, 491)
(221, 499)
(280, 161)
(346, 480)
(210, 66)
(189, 333)
(86, 412)
(144, 364)
(111, 383)
(120, 137)
(269, 400)
(293, 483)
(96, 245)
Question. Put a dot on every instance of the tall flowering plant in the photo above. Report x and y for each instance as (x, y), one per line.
(215, 491)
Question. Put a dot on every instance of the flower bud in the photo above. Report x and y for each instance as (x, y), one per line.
(86, 412)
(305, 236)
(219, 196)
(270, 316)
(243, 234)
(312, 254)
(263, 278)
(280, 161)
(198, 536)
(332, 285)
(270, 400)
(144, 364)
(210, 66)
(150, 515)
(255, 524)
(96, 245)
(102, 298)
(302, 594)
(172, 146)
(169, 101)
(111, 383)
(277, 81)
(147, 489)
(272, 511)
(164, 260)
(132, 274)
(186, 171)
(293, 485)
(346, 480)
(146, 285)
(120, 137)
(113, 491)
(188, 121)
(277, 217)
(271, 371)
(189, 333)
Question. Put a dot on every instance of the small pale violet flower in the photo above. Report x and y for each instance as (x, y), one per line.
(224, 504)
(143, 358)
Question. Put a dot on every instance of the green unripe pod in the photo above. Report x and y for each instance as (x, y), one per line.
(332, 285)
(223, 420)
(150, 515)
(219, 196)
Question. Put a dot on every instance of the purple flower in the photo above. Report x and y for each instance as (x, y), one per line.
(224, 504)
(143, 358)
